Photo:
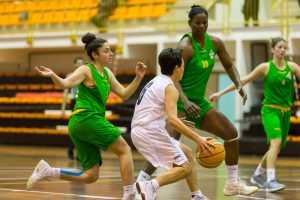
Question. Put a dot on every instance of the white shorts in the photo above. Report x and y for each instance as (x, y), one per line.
(157, 146)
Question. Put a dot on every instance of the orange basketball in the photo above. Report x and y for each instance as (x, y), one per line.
(214, 159)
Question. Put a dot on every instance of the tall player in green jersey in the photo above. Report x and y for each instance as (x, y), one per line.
(88, 128)
(199, 50)
(278, 96)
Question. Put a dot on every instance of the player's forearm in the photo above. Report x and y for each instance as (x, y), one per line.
(234, 76)
(59, 81)
(179, 126)
(228, 89)
(130, 89)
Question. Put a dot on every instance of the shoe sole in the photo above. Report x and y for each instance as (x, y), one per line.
(253, 181)
(275, 190)
(140, 191)
(233, 194)
(29, 182)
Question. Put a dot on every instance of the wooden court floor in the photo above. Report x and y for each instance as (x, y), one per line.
(17, 163)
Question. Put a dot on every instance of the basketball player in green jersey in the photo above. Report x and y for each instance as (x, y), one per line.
(88, 128)
(199, 50)
(278, 96)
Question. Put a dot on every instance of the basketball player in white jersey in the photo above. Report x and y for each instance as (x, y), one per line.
(157, 104)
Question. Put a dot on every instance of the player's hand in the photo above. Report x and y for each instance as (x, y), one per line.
(192, 109)
(203, 144)
(243, 95)
(189, 124)
(44, 71)
(140, 70)
(215, 96)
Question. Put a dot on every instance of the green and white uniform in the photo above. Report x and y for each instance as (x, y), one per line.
(196, 74)
(88, 128)
(278, 97)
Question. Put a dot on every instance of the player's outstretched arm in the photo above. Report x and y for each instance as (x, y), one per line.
(77, 76)
(259, 71)
(123, 92)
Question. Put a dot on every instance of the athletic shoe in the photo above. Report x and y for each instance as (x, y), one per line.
(146, 190)
(274, 185)
(41, 171)
(196, 197)
(239, 187)
(259, 180)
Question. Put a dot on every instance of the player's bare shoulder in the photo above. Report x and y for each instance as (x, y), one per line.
(217, 42)
(293, 65)
(263, 68)
(186, 46)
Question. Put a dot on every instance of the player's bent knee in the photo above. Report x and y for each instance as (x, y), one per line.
(186, 169)
(91, 178)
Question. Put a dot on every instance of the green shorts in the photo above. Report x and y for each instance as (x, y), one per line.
(91, 132)
(203, 104)
(276, 123)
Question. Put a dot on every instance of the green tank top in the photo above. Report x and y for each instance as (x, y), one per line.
(198, 69)
(279, 86)
(94, 98)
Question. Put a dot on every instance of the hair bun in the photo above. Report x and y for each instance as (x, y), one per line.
(88, 38)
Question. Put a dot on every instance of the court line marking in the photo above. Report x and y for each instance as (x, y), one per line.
(63, 194)
(249, 197)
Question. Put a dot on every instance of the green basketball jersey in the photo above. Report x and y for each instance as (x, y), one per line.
(279, 86)
(94, 98)
(198, 69)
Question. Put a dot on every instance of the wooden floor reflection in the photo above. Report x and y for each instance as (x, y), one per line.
(17, 163)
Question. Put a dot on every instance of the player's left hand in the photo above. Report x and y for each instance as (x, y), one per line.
(140, 70)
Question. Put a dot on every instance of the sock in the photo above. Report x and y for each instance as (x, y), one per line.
(196, 193)
(154, 184)
(260, 170)
(128, 190)
(270, 174)
(232, 173)
(143, 176)
(55, 172)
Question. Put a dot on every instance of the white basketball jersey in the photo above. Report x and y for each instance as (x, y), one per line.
(150, 106)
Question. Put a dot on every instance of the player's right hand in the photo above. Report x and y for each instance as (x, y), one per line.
(44, 71)
(192, 109)
(203, 144)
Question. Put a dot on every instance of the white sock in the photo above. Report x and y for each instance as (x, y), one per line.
(143, 176)
(270, 174)
(55, 172)
(232, 173)
(260, 170)
(128, 189)
(196, 193)
(155, 184)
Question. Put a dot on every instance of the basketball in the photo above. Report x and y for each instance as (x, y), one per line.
(211, 159)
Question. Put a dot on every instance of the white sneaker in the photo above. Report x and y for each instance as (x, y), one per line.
(41, 171)
(146, 190)
(239, 187)
(129, 197)
(195, 197)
